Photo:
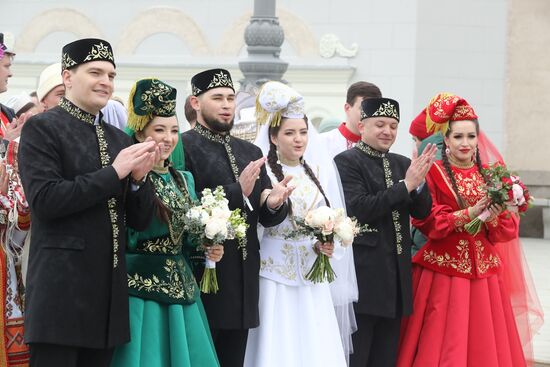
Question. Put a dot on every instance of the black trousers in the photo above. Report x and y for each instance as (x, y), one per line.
(375, 342)
(230, 346)
(52, 355)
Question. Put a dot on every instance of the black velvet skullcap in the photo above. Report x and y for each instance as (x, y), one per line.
(86, 50)
(380, 107)
(210, 79)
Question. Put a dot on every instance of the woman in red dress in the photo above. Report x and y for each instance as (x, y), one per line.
(462, 312)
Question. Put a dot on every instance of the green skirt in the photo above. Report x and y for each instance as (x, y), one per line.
(165, 335)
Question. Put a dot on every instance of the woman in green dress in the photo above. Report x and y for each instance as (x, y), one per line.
(168, 324)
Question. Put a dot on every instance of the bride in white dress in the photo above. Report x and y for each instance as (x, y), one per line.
(298, 323)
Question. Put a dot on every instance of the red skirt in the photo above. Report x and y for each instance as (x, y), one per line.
(459, 322)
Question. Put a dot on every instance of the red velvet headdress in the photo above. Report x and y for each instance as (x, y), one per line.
(446, 107)
(418, 126)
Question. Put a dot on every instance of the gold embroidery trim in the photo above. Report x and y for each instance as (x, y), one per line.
(460, 218)
(196, 90)
(462, 113)
(75, 111)
(492, 223)
(224, 140)
(288, 268)
(484, 263)
(99, 51)
(173, 285)
(462, 264)
(161, 92)
(220, 80)
(471, 187)
(159, 245)
(112, 202)
(176, 199)
(67, 61)
(389, 183)
(387, 109)
(447, 183)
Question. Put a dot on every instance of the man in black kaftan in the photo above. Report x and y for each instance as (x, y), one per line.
(217, 158)
(84, 184)
(382, 190)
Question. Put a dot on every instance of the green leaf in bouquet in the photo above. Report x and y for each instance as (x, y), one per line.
(321, 270)
(209, 281)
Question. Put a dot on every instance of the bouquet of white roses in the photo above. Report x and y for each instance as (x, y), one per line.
(326, 225)
(213, 223)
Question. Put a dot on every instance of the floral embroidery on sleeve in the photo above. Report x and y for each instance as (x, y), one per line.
(460, 218)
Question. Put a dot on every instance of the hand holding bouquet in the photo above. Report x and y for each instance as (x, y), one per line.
(213, 223)
(503, 189)
(326, 225)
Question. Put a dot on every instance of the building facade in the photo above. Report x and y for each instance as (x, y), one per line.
(491, 52)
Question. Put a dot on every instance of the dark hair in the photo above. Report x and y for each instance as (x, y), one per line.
(272, 161)
(190, 113)
(447, 165)
(33, 94)
(362, 89)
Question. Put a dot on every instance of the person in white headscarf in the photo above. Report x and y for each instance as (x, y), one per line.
(301, 323)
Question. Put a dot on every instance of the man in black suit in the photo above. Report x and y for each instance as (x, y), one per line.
(382, 190)
(84, 182)
(217, 158)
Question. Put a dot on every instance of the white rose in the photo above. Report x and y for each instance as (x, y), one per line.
(339, 214)
(194, 213)
(221, 213)
(215, 227)
(345, 230)
(320, 216)
(204, 216)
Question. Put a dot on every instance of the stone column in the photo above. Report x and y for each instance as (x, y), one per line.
(264, 37)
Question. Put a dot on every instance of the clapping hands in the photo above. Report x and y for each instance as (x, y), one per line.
(249, 175)
(13, 130)
(420, 165)
(137, 159)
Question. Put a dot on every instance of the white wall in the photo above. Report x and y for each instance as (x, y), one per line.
(461, 48)
(410, 49)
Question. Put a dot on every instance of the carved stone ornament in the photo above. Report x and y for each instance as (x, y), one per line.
(330, 46)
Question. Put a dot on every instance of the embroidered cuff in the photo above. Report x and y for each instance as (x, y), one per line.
(460, 218)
